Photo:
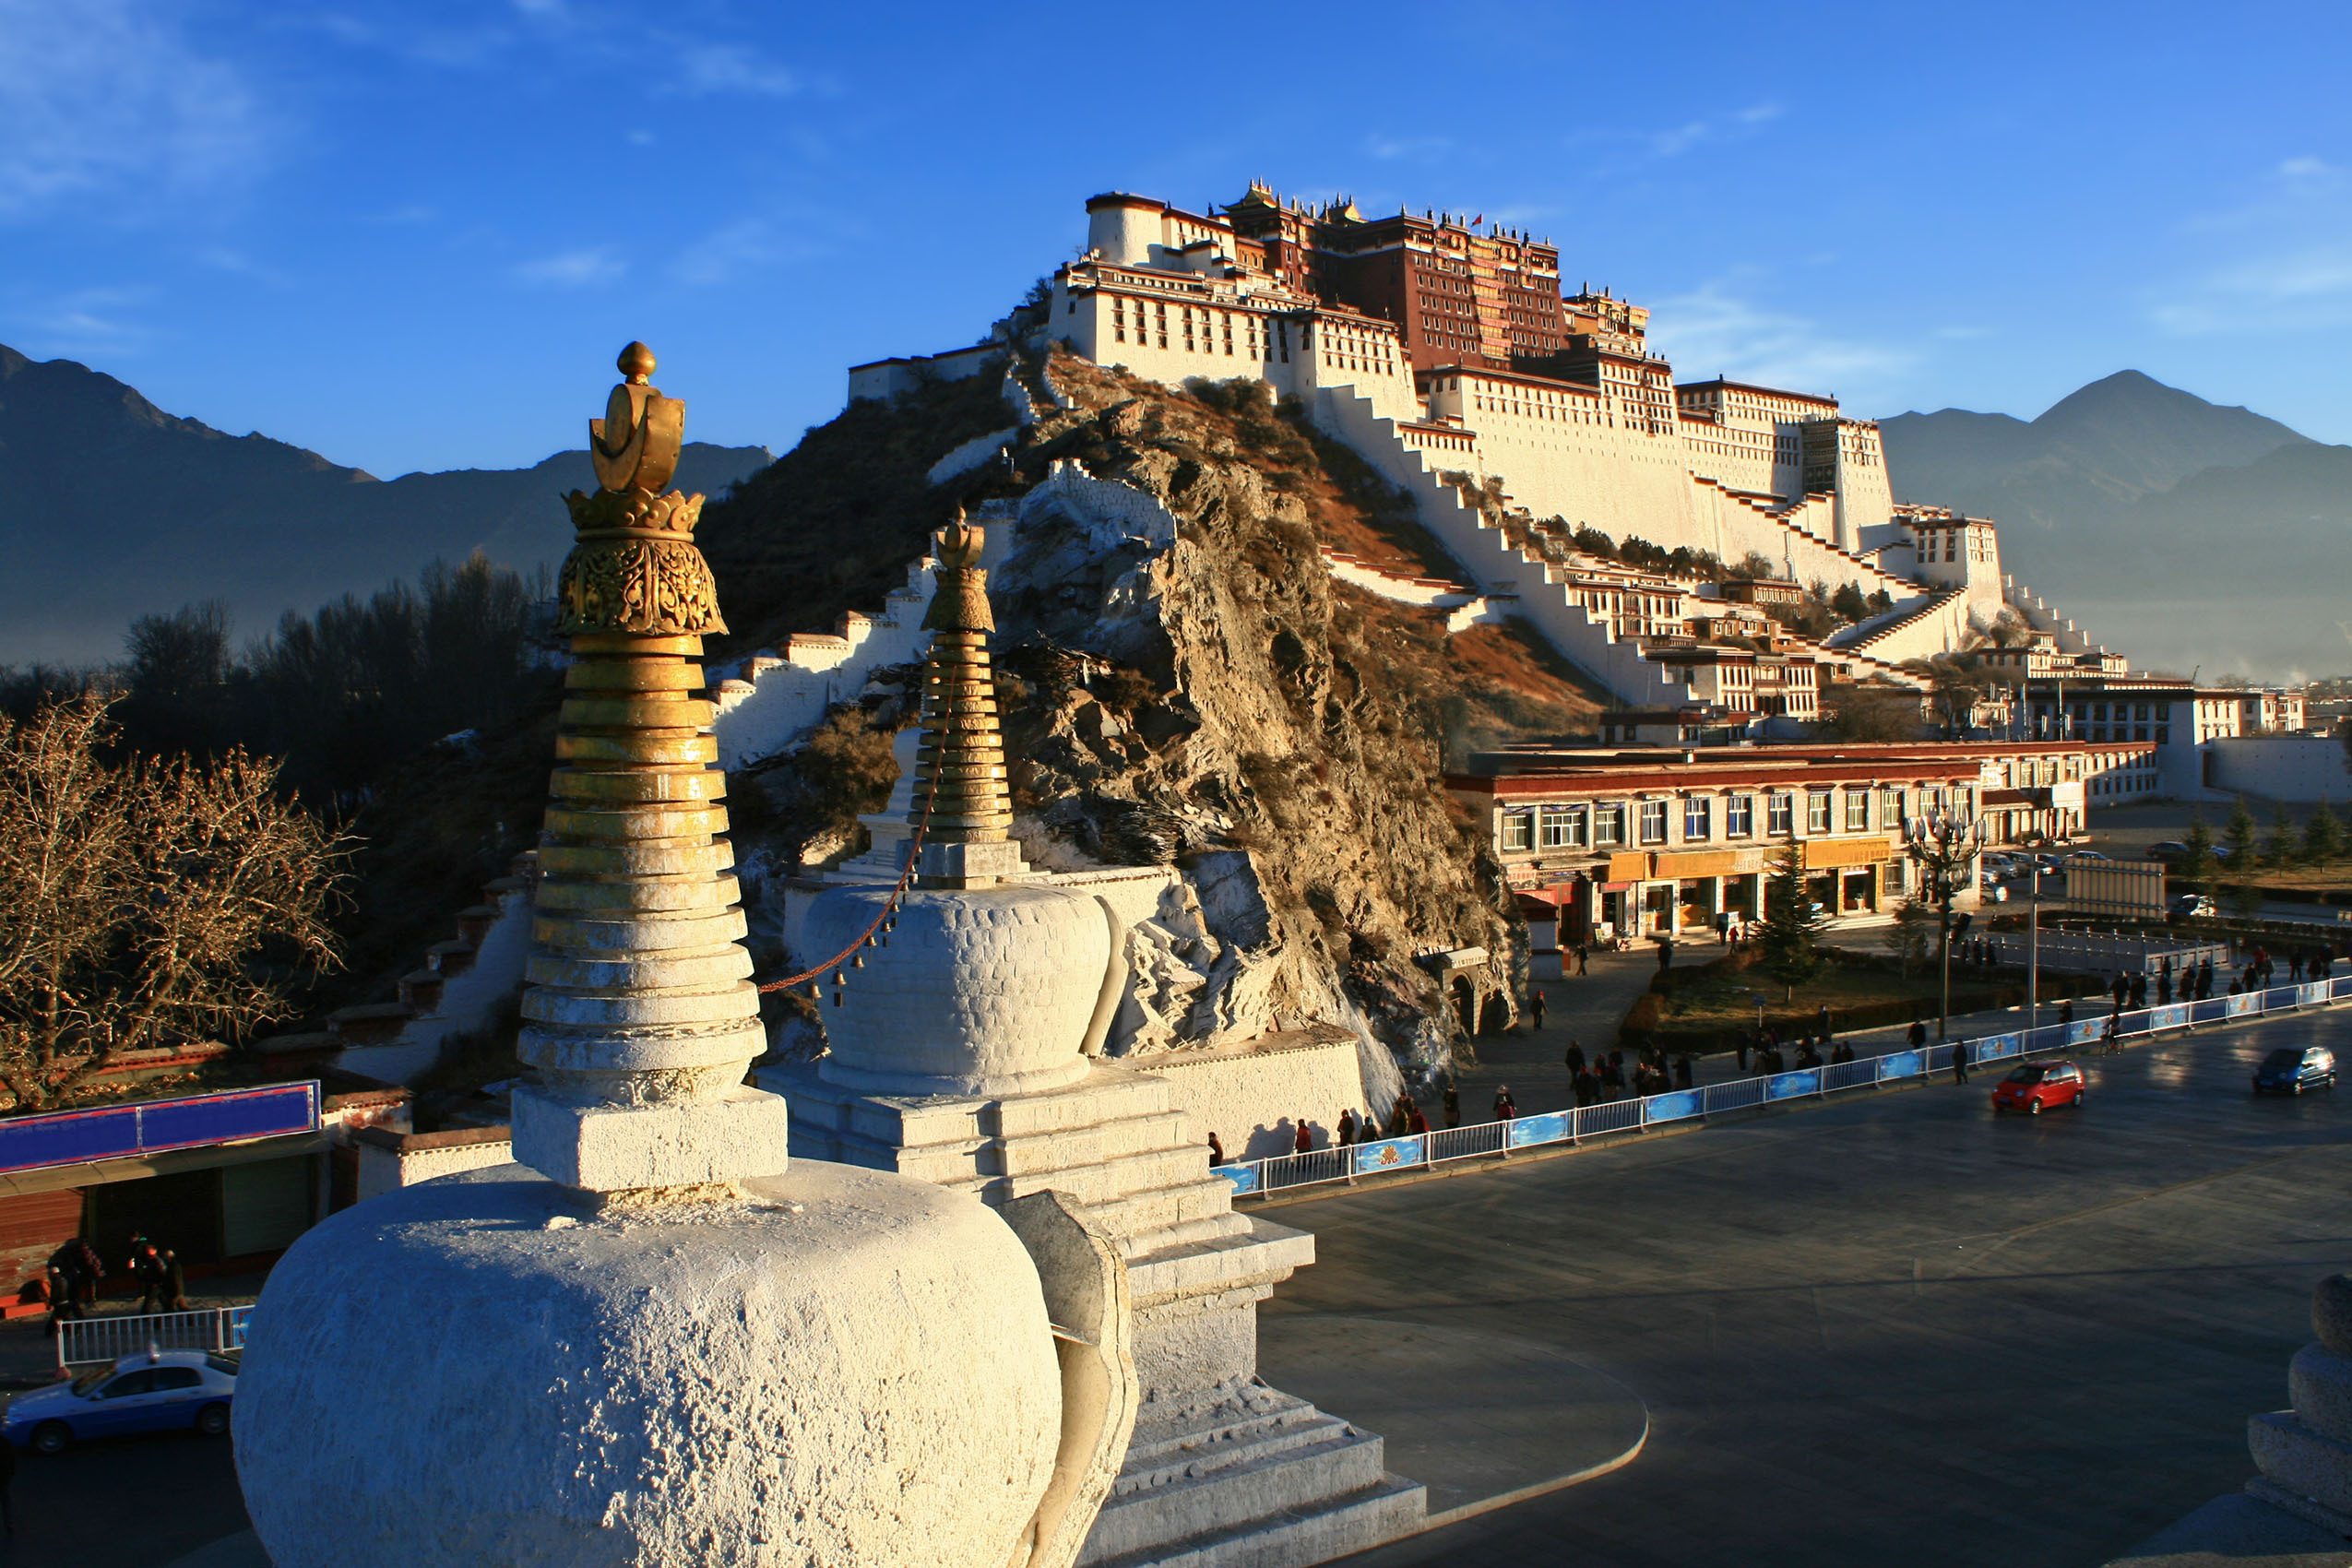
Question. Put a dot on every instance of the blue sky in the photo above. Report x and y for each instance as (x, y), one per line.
(414, 236)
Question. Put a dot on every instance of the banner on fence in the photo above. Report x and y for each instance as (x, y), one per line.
(1243, 1177)
(2244, 1003)
(1680, 1106)
(2083, 1031)
(1902, 1065)
(1388, 1154)
(2172, 1016)
(2311, 994)
(1792, 1086)
(1993, 1046)
(1550, 1127)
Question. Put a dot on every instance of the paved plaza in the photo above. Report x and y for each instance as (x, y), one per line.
(1890, 1330)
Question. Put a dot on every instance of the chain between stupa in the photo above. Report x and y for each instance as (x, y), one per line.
(640, 1019)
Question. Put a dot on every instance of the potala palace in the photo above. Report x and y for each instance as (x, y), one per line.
(1448, 355)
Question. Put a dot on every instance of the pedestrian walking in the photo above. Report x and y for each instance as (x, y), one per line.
(1346, 1127)
(1739, 1052)
(1216, 1151)
(153, 1267)
(2066, 1011)
(1535, 1005)
(1505, 1107)
(1453, 1102)
(1574, 1058)
(1960, 1063)
(1917, 1037)
(1415, 1122)
(1584, 959)
(1665, 953)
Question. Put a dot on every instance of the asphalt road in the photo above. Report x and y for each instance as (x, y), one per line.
(1896, 1331)
(128, 1503)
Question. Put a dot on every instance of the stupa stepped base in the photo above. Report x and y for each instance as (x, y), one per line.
(1223, 1472)
(1261, 1480)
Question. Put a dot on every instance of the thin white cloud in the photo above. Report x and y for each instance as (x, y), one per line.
(100, 322)
(734, 67)
(573, 269)
(2281, 261)
(1740, 123)
(1411, 149)
(104, 96)
(1713, 330)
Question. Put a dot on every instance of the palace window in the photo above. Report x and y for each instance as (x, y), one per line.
(1698, 814)
(1517, 830)
(1608, 826)
(1739, 816)
(1780, 811)
(1653, 822)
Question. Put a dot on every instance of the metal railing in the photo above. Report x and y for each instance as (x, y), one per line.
(1902, 1065)
(87, 1341)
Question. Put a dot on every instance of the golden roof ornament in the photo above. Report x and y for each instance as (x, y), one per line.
(634, 567)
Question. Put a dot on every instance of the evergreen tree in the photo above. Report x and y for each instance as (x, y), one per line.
(2245, 897)
(2197, 868)
(1789, 939)
(2322, 838)
(2285, 845)
(2240, 852)
(1915, 933)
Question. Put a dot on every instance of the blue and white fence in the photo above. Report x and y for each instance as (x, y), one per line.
(1252, 1177)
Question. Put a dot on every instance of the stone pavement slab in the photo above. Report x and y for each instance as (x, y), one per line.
(1478, 1418)
(2238, 1531)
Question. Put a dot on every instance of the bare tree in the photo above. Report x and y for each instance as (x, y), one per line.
(145, 902)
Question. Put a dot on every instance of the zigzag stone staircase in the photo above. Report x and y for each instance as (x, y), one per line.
(461, 986)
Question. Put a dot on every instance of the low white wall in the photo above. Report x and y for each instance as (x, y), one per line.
(388, 1159)
(2300, 768)
(1250, 1096)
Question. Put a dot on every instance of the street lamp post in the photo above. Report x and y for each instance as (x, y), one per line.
(1943, 846)
(2034, 950)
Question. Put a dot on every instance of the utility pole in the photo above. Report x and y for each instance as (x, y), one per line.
(1943, 846)
(2034, 951)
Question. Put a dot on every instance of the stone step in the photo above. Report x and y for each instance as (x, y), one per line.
(453, 956)
(2306, 1463)
(1109, 1181)
(474, 923)
(421, 991)
(1232, 1501)
(371, 1023)
(1159, 1131)
(1155, 1213)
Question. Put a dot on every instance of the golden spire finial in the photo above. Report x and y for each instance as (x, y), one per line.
(635, 568)
(962, 752)
(635, 364)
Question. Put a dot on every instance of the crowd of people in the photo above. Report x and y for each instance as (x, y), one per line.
(74, 1271)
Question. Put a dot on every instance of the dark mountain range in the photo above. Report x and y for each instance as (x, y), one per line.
(109, 507)
(2178, 531)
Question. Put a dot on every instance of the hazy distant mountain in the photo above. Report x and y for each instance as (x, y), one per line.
(2178, 531)
(109, 507)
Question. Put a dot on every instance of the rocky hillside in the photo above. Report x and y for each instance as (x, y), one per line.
(1210, 701)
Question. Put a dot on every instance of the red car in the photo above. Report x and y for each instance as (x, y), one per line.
(2039, 1084)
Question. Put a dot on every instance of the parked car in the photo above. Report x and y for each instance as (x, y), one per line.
(154, 1391)
(2080, 856)
(2292, 1069)
(2039, 1084)
(2169, 852)
(2191, 907)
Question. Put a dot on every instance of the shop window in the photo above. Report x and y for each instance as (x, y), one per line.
(1653, 822)
(1608, 826)
(1890, 807)
(1563, 827)
(1739, 817)
(1858, 811)
(1780, 813)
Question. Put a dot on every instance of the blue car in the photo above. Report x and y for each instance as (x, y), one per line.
(154, 1391)
(2291, 1070)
